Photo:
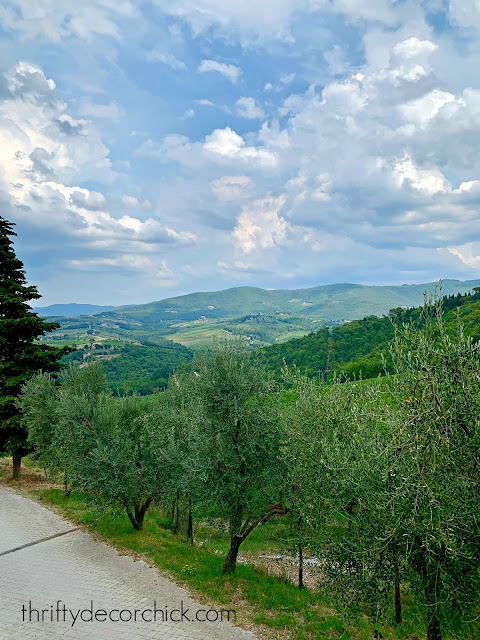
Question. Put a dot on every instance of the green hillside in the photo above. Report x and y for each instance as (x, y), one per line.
(356, 348)
(134, 368)
(262, 316)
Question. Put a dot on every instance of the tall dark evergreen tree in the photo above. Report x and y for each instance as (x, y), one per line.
(21, 355)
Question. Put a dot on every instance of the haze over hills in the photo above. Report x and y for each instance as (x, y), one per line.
(70, 310)
(262, 316)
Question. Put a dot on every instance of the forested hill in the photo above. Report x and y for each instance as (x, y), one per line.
(356, 348)
(134, 368)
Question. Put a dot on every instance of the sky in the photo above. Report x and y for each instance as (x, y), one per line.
(154, 148)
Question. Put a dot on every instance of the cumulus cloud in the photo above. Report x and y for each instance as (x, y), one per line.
(413, 47)
(226, 143)
(429, 181)
(44, 151)
(248, 108)
(260, 226)
(469, 254)
(230, 71)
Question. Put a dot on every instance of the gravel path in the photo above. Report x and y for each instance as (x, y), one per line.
(76, 570)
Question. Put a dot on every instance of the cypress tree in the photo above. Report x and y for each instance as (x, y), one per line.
(21, 354)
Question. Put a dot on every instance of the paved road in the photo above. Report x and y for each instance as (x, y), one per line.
(76, 570)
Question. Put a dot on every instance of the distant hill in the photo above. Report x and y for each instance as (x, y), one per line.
(262, 317)
(356, 348)
(70, 310)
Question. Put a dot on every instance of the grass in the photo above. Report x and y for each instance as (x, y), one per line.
(200, 337)
(269, 606)
(258, 598)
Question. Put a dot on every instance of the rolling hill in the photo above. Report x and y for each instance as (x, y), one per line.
(262, 316)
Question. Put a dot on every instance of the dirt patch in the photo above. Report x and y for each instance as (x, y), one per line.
(31, 477)
(286, 568)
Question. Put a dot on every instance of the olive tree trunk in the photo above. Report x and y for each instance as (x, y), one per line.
(137, 516)
(17, 466)
(230, 562)
(190, 522)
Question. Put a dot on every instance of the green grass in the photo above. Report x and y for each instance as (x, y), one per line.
(199, 337)
(273, 603)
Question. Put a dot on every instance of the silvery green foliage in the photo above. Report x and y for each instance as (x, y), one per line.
(237, 453)
(181, 414)
(38, 403)
(435, 464)
(389, 475)
(115, 450)
(336, 469)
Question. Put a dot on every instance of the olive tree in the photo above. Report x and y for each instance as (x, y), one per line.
(390, 472)
(335, 473)
(38, 403)
(434, 466)
(114, 450)
(182, 414)
(237, 459)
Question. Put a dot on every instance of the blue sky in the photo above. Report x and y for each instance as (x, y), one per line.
(150, 149)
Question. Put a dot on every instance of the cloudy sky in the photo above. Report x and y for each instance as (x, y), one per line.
(155, 148)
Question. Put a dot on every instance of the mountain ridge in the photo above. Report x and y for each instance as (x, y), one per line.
(273, 295)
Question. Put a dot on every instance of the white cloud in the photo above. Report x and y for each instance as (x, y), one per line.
(423, 109)
(465, 13)
(226, 143)
(153, 231)
(259, 226)
(58, 19)
(413, 47)
(134, 203)
(230, 187)
(429, 181)
(45, 153)
(156, 270)
(287, 78)
(248, 108)
(169, 59)
(34, 118)
(236, 18)
(230, 71)
(468, 253)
